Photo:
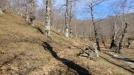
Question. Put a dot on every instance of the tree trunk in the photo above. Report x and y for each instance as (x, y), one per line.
(122, 37)
(103, 41)
(96, 50)
(68, 17)
(48, 17)
(113, 44)
(95, 29)
(129, 43)
(30, 9)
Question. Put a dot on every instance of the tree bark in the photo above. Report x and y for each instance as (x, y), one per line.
(30, 9)
(122, 37)
(94, 26)
(68, 17)
(48, 17)
(113, 44)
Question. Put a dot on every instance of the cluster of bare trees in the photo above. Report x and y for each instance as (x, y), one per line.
(119, 29)
(119, 33)
(28, 9)
(24, 8)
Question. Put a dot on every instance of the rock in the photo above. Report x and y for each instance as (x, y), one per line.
(1, 12)
(96, 50)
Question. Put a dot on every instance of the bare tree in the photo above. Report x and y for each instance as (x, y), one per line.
(48, 16)
(25, 8)
(92, 4)
(68, 17)
(30, 9)
(124, 25)
(114, 34)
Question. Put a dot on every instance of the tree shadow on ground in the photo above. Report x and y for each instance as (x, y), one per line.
(80, 70)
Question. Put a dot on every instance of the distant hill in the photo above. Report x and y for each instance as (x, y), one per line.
(105, 26)
(84, 28)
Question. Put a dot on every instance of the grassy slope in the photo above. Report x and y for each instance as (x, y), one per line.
(21, 52)
(20, 47)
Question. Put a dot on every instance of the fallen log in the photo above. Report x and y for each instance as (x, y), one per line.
(117, 62)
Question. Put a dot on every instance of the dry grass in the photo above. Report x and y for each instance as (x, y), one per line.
(20, 46)
(129, 53)
(21, 52)
(99, 67)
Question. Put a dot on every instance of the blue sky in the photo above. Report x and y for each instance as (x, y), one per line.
(103, 10)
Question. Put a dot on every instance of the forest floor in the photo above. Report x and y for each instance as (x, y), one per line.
(25, 51)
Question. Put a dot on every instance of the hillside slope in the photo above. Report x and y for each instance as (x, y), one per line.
(25, 51)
